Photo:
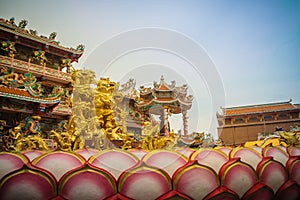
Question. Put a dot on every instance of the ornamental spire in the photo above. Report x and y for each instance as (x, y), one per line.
(162, 78)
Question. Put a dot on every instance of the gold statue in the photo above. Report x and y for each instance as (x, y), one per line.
(32, 125)
(66, 137)
(106, 99)
(26, 136)
(128, 141)
(16, 135)
(99, 115)
(290, 138)
(150, 130)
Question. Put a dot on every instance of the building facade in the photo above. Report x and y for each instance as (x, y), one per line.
(238, 125)
(35, 76)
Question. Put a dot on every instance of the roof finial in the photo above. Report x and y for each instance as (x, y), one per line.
(23, 23)
(290, 100)
(162, 78)
(52, 36)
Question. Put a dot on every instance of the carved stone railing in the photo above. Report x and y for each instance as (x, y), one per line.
(48, 73)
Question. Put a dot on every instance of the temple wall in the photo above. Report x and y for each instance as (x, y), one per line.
(235, 135)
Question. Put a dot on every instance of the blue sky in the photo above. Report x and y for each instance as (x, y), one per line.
(254, 44)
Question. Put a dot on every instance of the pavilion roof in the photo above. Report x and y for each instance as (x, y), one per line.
(177, 95)
(164, 87)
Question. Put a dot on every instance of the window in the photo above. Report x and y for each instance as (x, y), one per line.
(253, 119)
(295, 115)
(282, 116)
(267, 117)
(239, 120)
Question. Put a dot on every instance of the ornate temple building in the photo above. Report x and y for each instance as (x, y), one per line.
(164, 100)
(238, 125)
(35, 76)
(44, 99)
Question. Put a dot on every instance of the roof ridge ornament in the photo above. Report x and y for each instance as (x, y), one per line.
(80, 47)
(23, 23)
(173, 84)
(162, 78)
(52, 35)
(20, 30)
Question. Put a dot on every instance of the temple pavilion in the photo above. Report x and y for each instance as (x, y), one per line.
(164, 100)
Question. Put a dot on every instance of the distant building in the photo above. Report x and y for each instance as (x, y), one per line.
(243, 123)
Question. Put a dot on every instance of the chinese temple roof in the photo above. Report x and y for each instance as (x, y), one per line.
(262, 108)
(24, 95)
(166, 95)
(163, 86)
(30, 38)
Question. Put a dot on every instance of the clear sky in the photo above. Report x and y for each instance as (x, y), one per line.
(254, 45)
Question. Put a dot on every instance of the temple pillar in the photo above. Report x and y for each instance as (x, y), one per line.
(185, 122)
(232, 120)
(260, 118)
(162, 122)
(142, 120)
(166, 128)
(246, 119)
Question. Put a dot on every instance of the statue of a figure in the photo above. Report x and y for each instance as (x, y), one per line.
(26, 136)
(32, 125)
(80, 47)
(16, 135)
(23, 23)
(11, 21)
(52, 36)
(290, 138)
(33, 32)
